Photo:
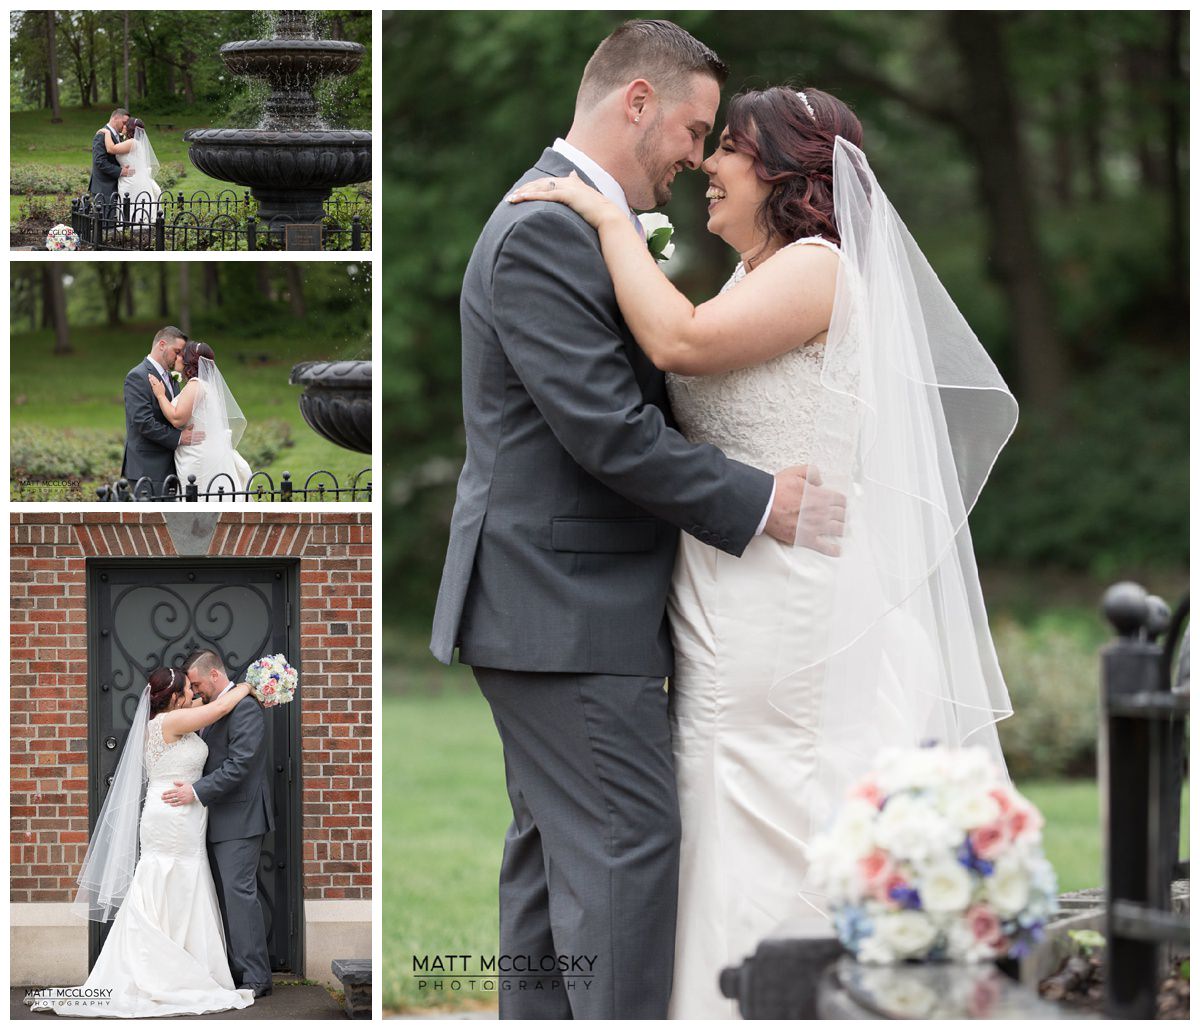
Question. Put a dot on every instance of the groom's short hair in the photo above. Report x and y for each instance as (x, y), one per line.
(169, 332)
(118, 111)
(203, 662)
(656, 50)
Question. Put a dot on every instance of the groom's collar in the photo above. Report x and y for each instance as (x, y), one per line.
(161, 371)
(601, 179)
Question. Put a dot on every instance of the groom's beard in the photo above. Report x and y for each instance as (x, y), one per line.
(658, 172)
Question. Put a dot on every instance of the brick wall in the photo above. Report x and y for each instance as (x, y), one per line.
(49, 810)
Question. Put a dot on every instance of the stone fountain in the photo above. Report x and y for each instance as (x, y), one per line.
(291, 162)
(336, 401)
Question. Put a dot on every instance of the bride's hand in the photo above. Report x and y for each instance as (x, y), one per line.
(157, 386)
(591, 205)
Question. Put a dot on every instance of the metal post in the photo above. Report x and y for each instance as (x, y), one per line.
(356, 232)
(285, 487)
(160, 229)
(191, 491)
(126, 208)
(1130, 669)
(251, 233)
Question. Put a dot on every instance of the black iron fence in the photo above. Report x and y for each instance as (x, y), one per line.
(321, 485)
(227, 221)
(1143, 757)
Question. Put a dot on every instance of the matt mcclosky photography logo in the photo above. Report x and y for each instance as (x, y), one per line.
(69, 996)
(504, 972)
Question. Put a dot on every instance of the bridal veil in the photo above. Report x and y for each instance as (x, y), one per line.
(913, 414)
(112, 852)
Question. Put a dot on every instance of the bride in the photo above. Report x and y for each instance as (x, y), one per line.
(206, 407)
(140, 187)
(165, 952)
(833, 345)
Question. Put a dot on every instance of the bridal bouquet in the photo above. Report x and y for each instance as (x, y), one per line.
(933, 856)
(272, 681)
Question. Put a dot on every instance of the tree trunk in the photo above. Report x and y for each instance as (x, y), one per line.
(212, 284)
(141, 78)
(127, 291)
(164, 305)
(1176, 87)
(47, 298)
(52, 64)
(170, 80)
(185, 291)
(295, 284)
(57, 301)
(1064, 157)
(126, 103)
(1017, 257)
(264, 280)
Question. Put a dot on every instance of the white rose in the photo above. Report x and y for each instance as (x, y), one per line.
(968, 808)
(1008, 887)
(652, 221)
(945, 886)
(911, 828)
(909, 934)
(853, 833)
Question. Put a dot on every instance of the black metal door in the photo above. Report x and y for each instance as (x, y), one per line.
(146, 613)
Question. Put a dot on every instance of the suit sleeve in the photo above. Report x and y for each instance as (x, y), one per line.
(247, 731)
(144, 412)
(553, 308)
(102, 160)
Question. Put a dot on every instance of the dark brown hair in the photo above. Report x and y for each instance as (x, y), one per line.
(193, 351)
(658, 51)
(203, 662)
(165, 685)
(792, 150)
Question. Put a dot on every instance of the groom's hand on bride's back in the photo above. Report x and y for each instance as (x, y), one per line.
(128, 170)
(191, 436)
(806, 513)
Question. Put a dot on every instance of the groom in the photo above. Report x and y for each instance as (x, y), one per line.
(150, 440)
(235, 791)
(106, 169)
(563, 540)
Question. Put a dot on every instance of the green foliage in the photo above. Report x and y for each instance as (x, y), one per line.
(1087, 941)
(42, 453)
(1103, 489)
(1052, 670)
(264, 441)
(57, 179)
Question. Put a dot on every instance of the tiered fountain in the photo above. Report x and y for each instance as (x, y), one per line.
(292, 161)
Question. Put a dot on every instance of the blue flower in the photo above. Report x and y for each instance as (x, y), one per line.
(908, 897)
(968, 857)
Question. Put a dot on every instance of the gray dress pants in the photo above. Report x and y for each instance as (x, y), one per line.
(235, 874)
(590, 873)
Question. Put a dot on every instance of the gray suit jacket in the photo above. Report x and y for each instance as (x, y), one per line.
(150, 440)
(106, 169)
(234, 787)
(564, 531)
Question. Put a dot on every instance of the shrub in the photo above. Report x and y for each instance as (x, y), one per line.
(1052, 668)
(46, 180)
(263, 442)
(39, 453)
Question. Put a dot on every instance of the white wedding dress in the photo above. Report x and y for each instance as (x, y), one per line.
(214, 461)
(165, 952)
(140, 187)
(743, 768)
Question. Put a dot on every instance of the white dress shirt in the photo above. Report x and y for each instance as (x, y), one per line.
(162, 372)
(610, 188)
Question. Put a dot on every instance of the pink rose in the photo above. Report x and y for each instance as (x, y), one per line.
(1003, 798)
(988, 841)
(1024, 819)
(868, 790)
(876, 871)
(984, 924)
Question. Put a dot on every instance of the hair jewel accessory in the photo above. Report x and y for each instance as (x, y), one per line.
(807, 106)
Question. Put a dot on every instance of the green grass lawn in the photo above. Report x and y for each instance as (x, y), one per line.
(34, 139)
(82, 392)
(446, 810)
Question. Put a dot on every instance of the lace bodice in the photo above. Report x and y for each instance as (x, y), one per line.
(763, 415)
(183, 760)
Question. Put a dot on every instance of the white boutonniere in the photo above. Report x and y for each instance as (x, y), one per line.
(658, 230)
(176, 377)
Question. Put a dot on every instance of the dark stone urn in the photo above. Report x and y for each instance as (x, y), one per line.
(336, 401)
(291, 162)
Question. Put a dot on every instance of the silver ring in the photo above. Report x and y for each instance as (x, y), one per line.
(551, 185)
